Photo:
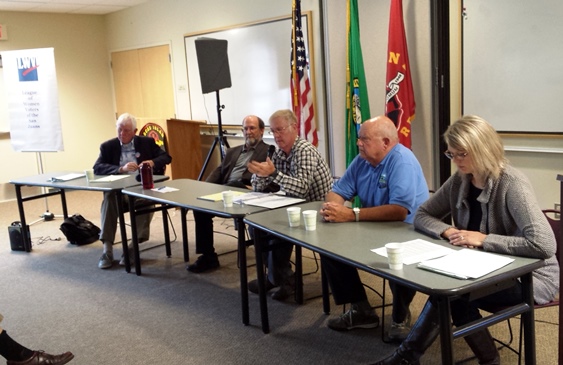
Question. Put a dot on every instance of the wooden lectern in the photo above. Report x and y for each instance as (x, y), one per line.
(184, 145)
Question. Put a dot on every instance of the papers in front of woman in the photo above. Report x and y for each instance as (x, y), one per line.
(466, 263)
(462, 264)
(418, 250)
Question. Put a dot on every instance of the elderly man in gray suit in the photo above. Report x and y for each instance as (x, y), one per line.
(231, 172)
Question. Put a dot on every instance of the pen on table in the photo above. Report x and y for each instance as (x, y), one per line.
(161, 188)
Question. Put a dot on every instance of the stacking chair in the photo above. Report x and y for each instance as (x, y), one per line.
(556, 226)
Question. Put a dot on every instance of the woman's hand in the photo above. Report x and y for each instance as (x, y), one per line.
(463, 238)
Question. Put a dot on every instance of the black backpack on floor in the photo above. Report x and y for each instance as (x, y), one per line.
(80, 231)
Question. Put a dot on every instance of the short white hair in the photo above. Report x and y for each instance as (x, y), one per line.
(126, 117)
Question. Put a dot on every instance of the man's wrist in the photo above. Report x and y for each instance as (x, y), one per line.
(274, 174)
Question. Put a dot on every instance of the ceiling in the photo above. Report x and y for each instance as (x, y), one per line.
(68, 6)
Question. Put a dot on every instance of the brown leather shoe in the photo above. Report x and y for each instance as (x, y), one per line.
(43, 358)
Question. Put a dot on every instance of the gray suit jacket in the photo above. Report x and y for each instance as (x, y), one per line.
(222, 173)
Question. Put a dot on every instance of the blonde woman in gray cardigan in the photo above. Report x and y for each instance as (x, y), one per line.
(494, 209)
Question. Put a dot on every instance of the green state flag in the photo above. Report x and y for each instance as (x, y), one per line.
(357, 101)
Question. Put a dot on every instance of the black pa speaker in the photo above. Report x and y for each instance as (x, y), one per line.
(213, 63)
(16, 232)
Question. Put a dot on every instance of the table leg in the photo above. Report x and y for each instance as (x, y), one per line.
(325, 292)
(134, 238)
(123, 230)
(184, 217)
(528, 321)
(298, 275)
(243, 272)
(166, 229)
(446, 335)
(63, 204)
(258, 242)
(25, 231)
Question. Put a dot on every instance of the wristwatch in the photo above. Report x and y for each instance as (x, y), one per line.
(357, 213)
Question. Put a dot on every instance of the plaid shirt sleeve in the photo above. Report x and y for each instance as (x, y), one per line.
(303, 173)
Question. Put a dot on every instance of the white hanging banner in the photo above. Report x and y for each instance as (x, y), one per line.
(33, 100)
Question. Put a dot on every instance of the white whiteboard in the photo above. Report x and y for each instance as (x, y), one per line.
(259, 61)
(513, 64)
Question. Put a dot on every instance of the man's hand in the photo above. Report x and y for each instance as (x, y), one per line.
(334, 212)
(262, 169)
(129, 166)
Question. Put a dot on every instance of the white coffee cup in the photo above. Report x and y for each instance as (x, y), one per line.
(310, 218)
(228, 198)
(294, 216)
(89, 174)
(395, 252)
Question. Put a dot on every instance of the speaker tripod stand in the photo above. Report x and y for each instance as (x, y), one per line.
(219, 139)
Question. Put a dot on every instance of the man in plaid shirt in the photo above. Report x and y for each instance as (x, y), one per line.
(297, 169)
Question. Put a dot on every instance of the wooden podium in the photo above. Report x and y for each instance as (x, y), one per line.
(184, 145)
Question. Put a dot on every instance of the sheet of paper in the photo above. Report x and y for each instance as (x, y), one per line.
(110, 178)
(164, 189)
(67, 177)
(265, 200)
(217, 197)
(466, 263)
(418, 250)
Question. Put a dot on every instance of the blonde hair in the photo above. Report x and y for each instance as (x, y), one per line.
(474, 135)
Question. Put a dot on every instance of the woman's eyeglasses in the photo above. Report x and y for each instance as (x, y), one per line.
(451, 156)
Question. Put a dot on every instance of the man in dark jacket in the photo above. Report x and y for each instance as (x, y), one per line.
(231, 172)
(124, 155)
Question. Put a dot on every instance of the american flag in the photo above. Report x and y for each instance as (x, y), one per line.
(301, 93)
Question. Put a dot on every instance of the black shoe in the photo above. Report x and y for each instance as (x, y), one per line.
(40, 357)
(286, 289)
(253, 286)
(284, 292)
(204, 263)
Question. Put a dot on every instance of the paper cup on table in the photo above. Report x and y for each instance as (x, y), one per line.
(89, 174)
(310, 218)
(228, 198)
(294, 216)
(395, 252)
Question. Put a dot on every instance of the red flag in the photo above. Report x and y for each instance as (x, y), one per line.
(301, 93)
(399, 96)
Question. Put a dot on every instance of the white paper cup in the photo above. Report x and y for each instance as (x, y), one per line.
(310, 218)
(294, 216)
(89, 174)
(395, 255)
(228, 198)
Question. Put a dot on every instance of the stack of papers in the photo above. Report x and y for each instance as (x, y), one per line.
(418, 250)
(67, 177)
(466, 264)
(265, 200)
(110, 178)
(217, 197)
(461, 264)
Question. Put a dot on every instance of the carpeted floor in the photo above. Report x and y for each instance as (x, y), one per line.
(56, 299)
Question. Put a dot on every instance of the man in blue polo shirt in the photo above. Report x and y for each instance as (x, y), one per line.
(388, 180)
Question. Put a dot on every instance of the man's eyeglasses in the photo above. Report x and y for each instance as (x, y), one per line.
(278, 131)
(451, 156)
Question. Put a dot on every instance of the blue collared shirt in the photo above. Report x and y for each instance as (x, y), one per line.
(398, 180)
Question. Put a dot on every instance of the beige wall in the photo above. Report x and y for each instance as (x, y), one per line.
(83, 43)
(85, 93)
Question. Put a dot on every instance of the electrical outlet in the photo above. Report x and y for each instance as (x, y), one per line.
(557, 206)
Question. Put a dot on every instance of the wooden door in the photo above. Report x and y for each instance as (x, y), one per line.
(143, 83)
